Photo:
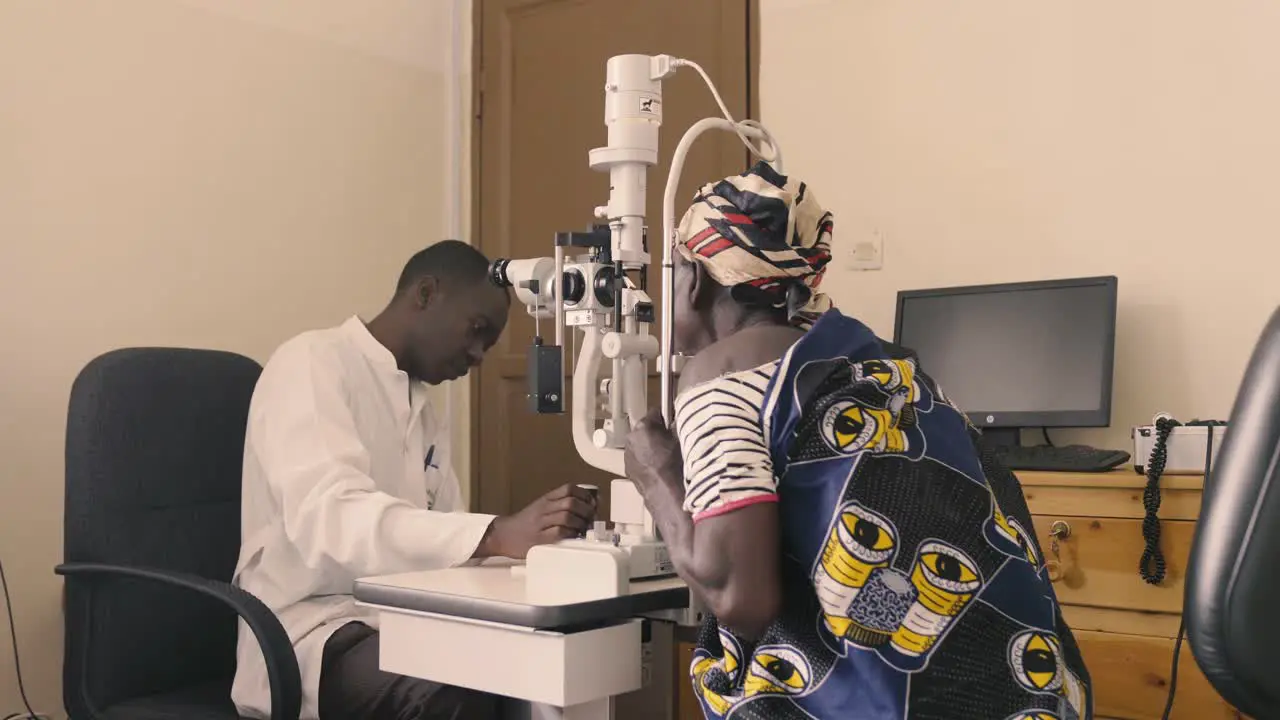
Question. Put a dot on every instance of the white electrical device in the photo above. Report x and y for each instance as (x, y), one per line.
(596, 283)
(1189, 449)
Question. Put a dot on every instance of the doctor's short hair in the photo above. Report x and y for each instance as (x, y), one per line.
(448, 261)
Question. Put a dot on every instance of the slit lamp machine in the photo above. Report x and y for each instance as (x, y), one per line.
(596, 283)
(570, 616)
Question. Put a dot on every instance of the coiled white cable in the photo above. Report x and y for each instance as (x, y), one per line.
(769, 155)
(768, 150)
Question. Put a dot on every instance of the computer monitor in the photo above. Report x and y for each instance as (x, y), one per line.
(1017, 355)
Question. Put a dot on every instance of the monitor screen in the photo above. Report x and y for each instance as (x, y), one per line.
(1018, 355)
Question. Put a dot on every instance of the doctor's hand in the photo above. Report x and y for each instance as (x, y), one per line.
(562, 513)
(653, 454)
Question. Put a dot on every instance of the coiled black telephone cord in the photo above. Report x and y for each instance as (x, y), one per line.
(1152, 565)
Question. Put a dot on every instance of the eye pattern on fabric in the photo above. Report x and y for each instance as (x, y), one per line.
(945, 580)
(716, 679)
(732, 655)
(862, 543)
(907, 575)
(864, 408)
(1035, 660)
(897, 589)
(778, 669)
(712, 683)
(897, 378)
(851, 428)
(1037, 664)
(1010, 529)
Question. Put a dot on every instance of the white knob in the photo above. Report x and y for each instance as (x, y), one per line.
(600, 438)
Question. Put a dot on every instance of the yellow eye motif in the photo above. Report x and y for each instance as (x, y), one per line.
(732, 654)
(848, 427)
(777, 669)
(702, 667)
(949, 569)
(1034, 658)
(851, 424)
(867, 536)
(1002, 522)
(1014, 531)
(880, 371)
(945, 580)
(890, 375)
(1024, 541)
(860, 542)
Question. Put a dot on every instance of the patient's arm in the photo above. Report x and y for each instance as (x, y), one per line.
(713, 495)
(729, 560)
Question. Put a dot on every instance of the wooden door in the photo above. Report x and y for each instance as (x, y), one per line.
(540, 74)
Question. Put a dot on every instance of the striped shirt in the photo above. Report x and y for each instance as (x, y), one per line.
(727, 464)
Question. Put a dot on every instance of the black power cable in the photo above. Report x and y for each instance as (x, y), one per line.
(1173, 671)
(13, 635)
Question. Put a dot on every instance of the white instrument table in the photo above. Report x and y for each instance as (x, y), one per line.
(496, 592)
(566, 651)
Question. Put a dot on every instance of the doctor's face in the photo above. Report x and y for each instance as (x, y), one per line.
(454, 330)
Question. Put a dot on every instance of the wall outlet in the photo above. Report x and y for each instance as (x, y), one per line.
(867, 251)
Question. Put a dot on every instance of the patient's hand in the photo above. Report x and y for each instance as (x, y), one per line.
(653, 454)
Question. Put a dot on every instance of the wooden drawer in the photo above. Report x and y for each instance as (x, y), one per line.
(1116, 494)
(1125, 622)
(1130, 675)
(1099, 562)
(1111, 502)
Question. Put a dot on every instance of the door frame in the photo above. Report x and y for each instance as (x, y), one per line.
(476, 135)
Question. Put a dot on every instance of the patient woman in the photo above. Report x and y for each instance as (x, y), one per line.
(859, 557)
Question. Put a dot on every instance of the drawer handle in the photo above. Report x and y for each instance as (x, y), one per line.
(1059, 530)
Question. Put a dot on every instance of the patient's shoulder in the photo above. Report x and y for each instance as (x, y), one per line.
(697, 370)
(722, 402)
(745, 351)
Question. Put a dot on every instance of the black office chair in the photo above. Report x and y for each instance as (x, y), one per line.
(155, 439)
(1232, 587)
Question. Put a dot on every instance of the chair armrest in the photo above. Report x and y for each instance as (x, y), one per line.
(282, 663)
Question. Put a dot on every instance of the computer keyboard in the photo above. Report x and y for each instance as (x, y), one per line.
(1065, 458)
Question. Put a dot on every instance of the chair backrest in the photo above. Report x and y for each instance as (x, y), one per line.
(154, 449)
(1232, 587)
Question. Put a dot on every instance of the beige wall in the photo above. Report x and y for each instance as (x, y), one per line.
(227, 172)
(1008, 140)
(218, 173)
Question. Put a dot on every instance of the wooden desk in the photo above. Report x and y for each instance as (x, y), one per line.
(1125, 627)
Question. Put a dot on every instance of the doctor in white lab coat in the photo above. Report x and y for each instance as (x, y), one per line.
(347, 475)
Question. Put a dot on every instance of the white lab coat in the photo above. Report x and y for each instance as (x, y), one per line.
(346, 475)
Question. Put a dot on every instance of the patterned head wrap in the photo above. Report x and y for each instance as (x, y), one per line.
(764, 236)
